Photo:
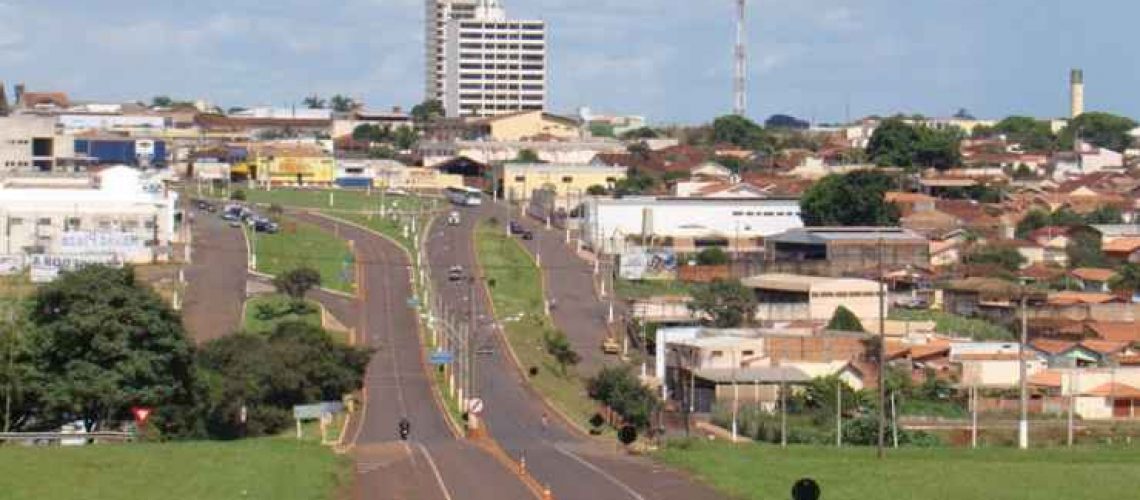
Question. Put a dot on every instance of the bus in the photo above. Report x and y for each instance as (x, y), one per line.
(466, 196)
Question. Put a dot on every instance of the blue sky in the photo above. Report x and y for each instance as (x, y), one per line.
(670, 60)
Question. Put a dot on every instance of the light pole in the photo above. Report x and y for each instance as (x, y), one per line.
(1023, 420)
(882, 355)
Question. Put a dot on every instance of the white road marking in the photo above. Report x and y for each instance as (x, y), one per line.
(435, 470)
(600, 472)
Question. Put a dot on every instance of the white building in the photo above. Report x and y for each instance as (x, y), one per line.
(793, 297)
(565, 152)
(689, 224)
(76, 122)
(494, 65)
(115, 216)
(33, 143)
(438, 14)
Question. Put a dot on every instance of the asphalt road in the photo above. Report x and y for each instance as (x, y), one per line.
(434, 463)
(575, 467)
(216, 277)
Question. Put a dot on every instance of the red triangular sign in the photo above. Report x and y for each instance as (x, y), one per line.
(141, 414)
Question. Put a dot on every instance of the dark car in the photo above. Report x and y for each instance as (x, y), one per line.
(527, 235)
(516, 228)
(265, 226)
(455, 273)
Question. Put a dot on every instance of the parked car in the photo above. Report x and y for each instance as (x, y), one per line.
(455, 273)
(453, 218)
(396, 191)
(235, 222)
(516, 228)
(265, 226)
(527, 235)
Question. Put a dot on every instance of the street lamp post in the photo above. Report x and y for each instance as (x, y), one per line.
(1023, 420)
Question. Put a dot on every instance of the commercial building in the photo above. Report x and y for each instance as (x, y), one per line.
(438, 14)
(518, 181)
(686, 224)
(789, 297)
(525, 125)
(34, 143)
(845, 251)
(281, 165)
(114, 215)
(493, 65)
(560, 151)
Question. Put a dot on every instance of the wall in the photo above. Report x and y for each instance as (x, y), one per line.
(519, 181)
(530, 124)
(283, 170)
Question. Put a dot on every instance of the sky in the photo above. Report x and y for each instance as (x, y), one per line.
(668, 60)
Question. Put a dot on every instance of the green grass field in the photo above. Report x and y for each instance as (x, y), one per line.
(768, 472)
(301, 244)
(519, 307)
(627, 289)
(977, 329)
(269, 469)
(253, 323)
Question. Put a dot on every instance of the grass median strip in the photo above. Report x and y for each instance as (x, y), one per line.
(513, 281)
(763, 472)
(264, 312)
(266, 468)
(301, 244)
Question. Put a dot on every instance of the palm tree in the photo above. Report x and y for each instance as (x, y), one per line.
(342, 104)
(314, 102)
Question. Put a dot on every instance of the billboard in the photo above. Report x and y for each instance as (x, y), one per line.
(122, 243)
(46, 267)
(639, 263)
(11, 264)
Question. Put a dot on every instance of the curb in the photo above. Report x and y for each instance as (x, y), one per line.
(452, 425)
(571, 424)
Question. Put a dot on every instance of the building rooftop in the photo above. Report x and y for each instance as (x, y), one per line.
(645, 200)
(1093, 273)
(824, 235)
(752, 374)
(802, 283)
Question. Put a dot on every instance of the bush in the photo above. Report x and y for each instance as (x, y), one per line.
(238, 195)
(619, 389)
(712, 256)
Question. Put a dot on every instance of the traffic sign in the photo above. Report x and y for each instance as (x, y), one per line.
(475, 405)
(141, 413)
(441, 357)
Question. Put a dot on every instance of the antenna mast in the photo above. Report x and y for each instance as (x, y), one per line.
(739, 82)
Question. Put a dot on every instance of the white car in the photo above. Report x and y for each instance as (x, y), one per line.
(453, 219)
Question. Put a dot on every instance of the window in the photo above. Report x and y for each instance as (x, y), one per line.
(44, 221)
(738, 214)
(567, 179)
(520, 178)
(15, 221)
(747, 353)
(73, 223)
(716, 354)
(149, 224)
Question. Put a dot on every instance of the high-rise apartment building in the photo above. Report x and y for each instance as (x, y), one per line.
(439, 12)
(491, 65)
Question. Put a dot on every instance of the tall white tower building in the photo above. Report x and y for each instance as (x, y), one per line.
(493, 65)
(439, 12)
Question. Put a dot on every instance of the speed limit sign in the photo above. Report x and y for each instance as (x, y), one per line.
(475, 405)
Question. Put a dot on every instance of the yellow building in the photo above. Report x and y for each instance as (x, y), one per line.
(531, 124)
(518, 181)
(291, 166)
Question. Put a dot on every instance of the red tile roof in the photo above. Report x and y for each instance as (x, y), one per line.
(1115, 331)
(1114, 390)
(1093, 274)
(1053, 347)
(1122, 246)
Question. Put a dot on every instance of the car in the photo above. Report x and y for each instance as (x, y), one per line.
(265, 226)
(455, 273)
(231, 216)
(202, 205)
(453, 218)
(527, 235)
(515, 227)
(396, 191)
(235, 223)
(210, 207)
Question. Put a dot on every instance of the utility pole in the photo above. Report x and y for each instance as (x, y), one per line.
(838, 413)
(882, 355)
(1023, 421)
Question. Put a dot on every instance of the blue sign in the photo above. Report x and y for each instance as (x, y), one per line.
(314, 411)
(441, 357)
(413, 302)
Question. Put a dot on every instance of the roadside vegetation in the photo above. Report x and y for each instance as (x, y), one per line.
(512, 278)
(910, 473)
(299, 244)
(256, 469)
(264, 312)
(951, 324)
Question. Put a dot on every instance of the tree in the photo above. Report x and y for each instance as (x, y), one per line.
(276, 211)
(405, 138)
(739, 131)
(597, 190)
(844, 320)
(370, 132)
(101, 343)
(1105, 214)
(427, 111)
(1084, 250)
(964, 114)
(896, 143)
(712, 256)
(1006, 258)
(1032, 134)
(297, 282)
(819, 395)
(1104, 130)
(639, 133)
(20, 396)
(526, 156)
(238, 195)
(1127, 279)
(635, 182)
(342, 104)
(618, 388)
(314, 102)
(601, 129)
(724, 304)
(892, 144)
(779, 121)
(1034, 220)
(296, 363)
(853, 199)
(161, 101)
(558, 346)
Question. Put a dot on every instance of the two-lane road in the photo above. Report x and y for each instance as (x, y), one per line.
(434, 463)
(573, 466)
